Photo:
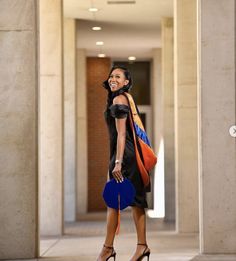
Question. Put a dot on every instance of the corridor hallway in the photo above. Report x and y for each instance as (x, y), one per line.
(83, 240)
(53, 169)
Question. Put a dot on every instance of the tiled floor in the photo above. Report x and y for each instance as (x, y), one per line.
(83, 240)
(164, 246)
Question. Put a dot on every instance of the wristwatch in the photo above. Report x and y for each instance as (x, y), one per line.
(118, 161)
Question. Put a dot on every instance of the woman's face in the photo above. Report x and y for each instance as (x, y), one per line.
(117, 80)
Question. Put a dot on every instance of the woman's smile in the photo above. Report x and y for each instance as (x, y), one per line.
(113, 85)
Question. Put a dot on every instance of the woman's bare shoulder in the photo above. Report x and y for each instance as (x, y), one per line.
(120, 99)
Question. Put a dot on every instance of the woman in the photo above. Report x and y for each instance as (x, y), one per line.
(123, 162)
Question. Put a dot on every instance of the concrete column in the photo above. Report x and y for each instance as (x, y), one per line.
(50, 122)
(82, 140)
(18, 130)
(217, 112)
(156, 97)
(69, 119)
(185, 88)
(157, 115)
(168, 117)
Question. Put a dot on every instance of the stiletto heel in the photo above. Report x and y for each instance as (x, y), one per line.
(113, 253)
(145, 253)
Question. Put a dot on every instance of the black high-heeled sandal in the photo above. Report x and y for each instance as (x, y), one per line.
(113, 253)
(145, 253)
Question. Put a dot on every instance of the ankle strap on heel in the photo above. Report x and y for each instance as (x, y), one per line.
(146, 251)
(109, 247)
(142, 244)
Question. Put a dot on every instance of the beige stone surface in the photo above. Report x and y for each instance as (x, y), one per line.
(216, 114)
(83, 240)
(168, 97)
(214, 258)
(157, 98)
(157, 115)
(69, 119)
(18, 129)
(50, 120)
(18, 15)
(165, 244)
(81, 132)
(185, 100)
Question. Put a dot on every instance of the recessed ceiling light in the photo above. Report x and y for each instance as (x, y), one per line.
(101, 55)
(99, 43)
(131, 58)
(93, 9)
(121, 2)
(97, 28)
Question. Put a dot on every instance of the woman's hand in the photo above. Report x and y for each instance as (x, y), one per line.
(117, 173)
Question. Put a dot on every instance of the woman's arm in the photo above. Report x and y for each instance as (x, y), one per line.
(121, 135)
(121, 138)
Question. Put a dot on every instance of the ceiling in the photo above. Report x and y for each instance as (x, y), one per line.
(127, 29)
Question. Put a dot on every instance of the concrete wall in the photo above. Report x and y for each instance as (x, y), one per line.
(157, 98)
(217, 112)
(157, 180)
(82, 134)
(168, 116)
(185, 95)
(18, 130)
(50, 120)
(69, 119)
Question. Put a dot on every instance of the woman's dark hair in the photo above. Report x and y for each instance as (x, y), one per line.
(127, 76)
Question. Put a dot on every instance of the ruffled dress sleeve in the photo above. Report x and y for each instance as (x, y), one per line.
(119, 111)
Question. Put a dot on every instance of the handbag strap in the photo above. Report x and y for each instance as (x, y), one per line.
(135, 115)
(143, 171)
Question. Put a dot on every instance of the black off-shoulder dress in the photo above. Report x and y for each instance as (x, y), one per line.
(129, 165)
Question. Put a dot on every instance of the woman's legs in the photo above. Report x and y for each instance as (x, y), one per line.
(139, 217)
(112, 221)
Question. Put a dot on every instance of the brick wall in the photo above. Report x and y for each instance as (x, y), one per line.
(98, 146)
